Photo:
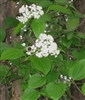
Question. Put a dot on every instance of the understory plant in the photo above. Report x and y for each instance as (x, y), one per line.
(51, 53)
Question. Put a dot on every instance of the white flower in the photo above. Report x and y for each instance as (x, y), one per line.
(38, 44)
(33, 48)
(22, 19)
(55, 56)
(23, 44)
(36, 15)
(57, 52)
(45, 54)
(44, 50)
(41, 12)
(22, 9)
(33, 5)
(39, 54)
(28, 53)
(32, 9)
(39, 8)
(24, 28)
(29, 12)
(45, 46)
(42, 36)
(49, 37)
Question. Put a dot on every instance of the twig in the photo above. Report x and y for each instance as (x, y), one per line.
(70, 95)
(77, 87)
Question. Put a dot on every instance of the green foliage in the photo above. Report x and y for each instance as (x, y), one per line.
(30, 94)
(45, 3)
(18, 45)
(3, 46)
(80, 35)
(38, 27)
(36, 81)
(55, 91)
(42, 64)
(79, 54)
(24, 71)
(11, 54)
(52, 76)
(18, 28)
(77, 70)
(44, 18)
(11, 22)
(66, 42)
(41, 77)
(72, 24)
(4, 71)
(60, 8)
(2, 34)
(83, 88)
(62, 2)
(70, 35)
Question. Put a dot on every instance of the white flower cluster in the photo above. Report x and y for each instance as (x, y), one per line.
(65, 79)
(43, 47)
(29, 12)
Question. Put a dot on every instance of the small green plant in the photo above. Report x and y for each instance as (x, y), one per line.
(53, 55)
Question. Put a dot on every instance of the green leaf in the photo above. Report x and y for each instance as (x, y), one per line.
(44, 18)
(15, 62)
(56, 90)
(4, 69)
(2, 34)
(24, 71)
(52, 76)
(18, 28)
(18, 45)
(45, 3)
(65, 42)
(79, 54)
(38, 27)
(44, 92)
(30, 94)
(61, 2)
(77, 71)
(83, 88)
(11, 54)
(21, 25)
(42, 64)
(36, 80)
(76, 54)
(60, 9)
(11, 22)
(81, 35)
(70, 35)
(3, 46)
(76, 42)
(72, 24)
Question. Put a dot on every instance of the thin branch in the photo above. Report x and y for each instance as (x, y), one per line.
(29, 38)
(70, 95)
(77, 87)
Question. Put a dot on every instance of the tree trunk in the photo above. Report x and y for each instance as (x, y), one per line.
(76, 94)
(4, 92)
(80, 6)
(75, 89)
(8, 8)
(16, 90)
